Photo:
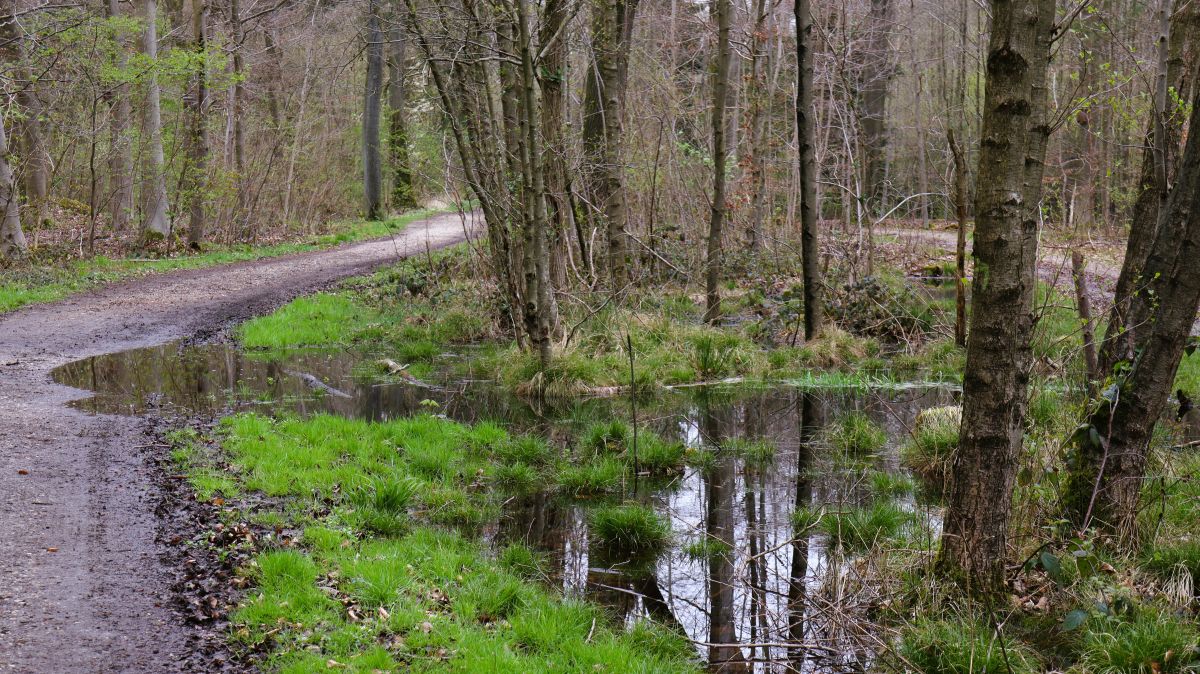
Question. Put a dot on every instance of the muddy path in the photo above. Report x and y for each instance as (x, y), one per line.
(83, 582)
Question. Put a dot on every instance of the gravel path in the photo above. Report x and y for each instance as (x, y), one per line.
(83, 584)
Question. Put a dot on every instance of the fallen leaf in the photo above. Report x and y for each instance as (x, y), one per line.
(22, 472)
(51, 549)
(427, 627)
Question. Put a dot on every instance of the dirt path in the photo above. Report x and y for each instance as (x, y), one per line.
(1054, 264)
(83, 587)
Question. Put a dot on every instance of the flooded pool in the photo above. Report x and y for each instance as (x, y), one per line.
(779, 601)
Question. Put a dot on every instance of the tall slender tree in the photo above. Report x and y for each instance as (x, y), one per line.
(398, 155)
(603, 126)
(120, 161)
(155, 222)
(716, 223)
(372, 111)
(197, 169)
(810, 237)
(995, 381)
(12, 237)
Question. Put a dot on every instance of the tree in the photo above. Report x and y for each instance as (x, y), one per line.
(397, 62)
(716, 221)
(1008, 189)
(197, 168)
(603, 126)
(12, 238)
(877, 73)
(372, 166)
(806, 134)
(1107, 469)
(120, 162)
(155, 222)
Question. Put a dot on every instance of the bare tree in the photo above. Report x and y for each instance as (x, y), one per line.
(806, 135)
(12, 238)
(196, 172)
(120, 162)
(397, 62)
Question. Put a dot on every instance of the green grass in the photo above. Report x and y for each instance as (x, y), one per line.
(321, 320)
(630, 531)
(1151, 643)
(858, 529)
(964, 646)
(856, 433)
(929, 451)
(374, 584)
(22, 286)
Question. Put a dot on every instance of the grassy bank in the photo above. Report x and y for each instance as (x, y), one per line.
(374, 565)
(414, 313)
(35, 281)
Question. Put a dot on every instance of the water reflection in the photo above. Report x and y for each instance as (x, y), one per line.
(778, 602)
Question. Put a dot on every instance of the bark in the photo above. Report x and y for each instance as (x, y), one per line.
(757, 102)
(37, 156)
(1131, 306)
(603, 126)
(372, 167)
(155, 222)
(120, 162)
(403, 197)
(12, 237)
(197, 170)
(809, 204)
(1108, 467)
(716, 222)
(237, 109)
(960, 254)
(553, 78)
(1008, 188)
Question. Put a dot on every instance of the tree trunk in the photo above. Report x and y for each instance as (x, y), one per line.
(537, 272)
(1177, 48)
(758, 103)
(809, 206)
(12, 238)
(1105, 483)
(1083, 305)
(37, 155)
(403, 197)
(237, 110)
(155, 222)
(877, 73)
(960, 249)
(120, 163)
(603, 126)
(716, 223)
(1008, 189)
(372, 169)
(197, 170)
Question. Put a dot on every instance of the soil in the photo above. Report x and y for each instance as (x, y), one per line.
(91, 561)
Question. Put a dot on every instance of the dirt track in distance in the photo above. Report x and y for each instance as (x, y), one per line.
(83, 584)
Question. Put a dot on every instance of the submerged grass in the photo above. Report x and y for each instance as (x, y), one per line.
(375, 585)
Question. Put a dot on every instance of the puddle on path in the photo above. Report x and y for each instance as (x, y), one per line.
(743, 609)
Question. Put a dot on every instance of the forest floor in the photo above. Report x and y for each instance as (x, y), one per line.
(83, 587)
(88, 582)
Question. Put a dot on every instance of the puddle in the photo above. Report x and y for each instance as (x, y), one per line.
(745, 610)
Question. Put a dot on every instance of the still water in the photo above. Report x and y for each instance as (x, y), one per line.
(780, 602)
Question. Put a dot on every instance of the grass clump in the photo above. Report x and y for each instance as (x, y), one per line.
(858, 529)
(958, 646)
(856, 433)
(323, 319)
(598, 476)
(892, 485)
(1151, 643)
(930, 449)
(1166, 560)
(707, 549)
(631, 531)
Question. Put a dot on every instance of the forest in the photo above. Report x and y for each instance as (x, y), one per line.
(600, 336)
